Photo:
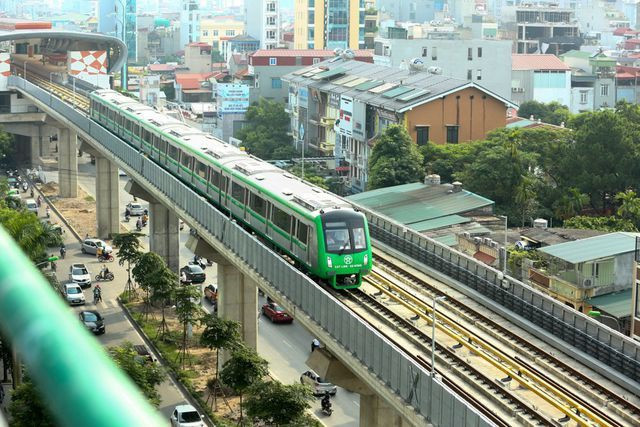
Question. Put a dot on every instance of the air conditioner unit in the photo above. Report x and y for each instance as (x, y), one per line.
(467, 235)
(586, 283)
(514, 89)
(495, 244)
(487, 241)
(477, 240)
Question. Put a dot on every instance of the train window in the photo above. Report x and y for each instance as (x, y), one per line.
(258, 205)
(281, 219)
(359, 238)
(119, 120)
(163, 146)
(185, 159)
(127, 124)
(145, 135)
(215, 178)
(173, 152)
(136, 129)
(202, 170)
(156, 141)
(111, 115)
(302, 232)
(237, 192)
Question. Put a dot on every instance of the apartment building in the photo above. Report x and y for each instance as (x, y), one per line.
(262, 22)
(328, 24)
(593, 80)
(189, 22)
(485, 62)
(409, 10)
(542, 78)
(214, 30)
(342, 106)
(197, 57)
(546, 28)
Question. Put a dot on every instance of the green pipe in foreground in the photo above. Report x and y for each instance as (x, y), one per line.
(80, 383)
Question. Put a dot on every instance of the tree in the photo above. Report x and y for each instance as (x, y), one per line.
(27, 407)
(553, 113)
(6, 146)
(570, 204)
(311, 175)
(30, 234)
(395, 159)
(219, 333)
(188, 311)
(629, 206)
(243, 370)
(525, 195)
(274, 403)
(265, 133)
(146, 375)
(608, 224)
(152, 275)
(448, 159)
(128, 245)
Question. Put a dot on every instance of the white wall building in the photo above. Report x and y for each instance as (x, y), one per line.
(542, 78)
(262, 22)
(189, 22)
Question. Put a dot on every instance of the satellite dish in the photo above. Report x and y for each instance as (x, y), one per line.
(416, 64)
(348, 54)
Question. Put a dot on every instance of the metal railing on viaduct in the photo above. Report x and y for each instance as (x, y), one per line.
(388, 363)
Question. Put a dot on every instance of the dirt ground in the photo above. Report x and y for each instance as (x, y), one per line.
(202, 367)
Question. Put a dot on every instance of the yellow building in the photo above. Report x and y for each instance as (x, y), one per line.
(219, 28)
(319, 24)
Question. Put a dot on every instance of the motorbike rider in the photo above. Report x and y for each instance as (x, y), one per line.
(326, 401)
(25, 187)
(97, 293)
(48, 212)
(145, 219)
(104, 272)
(99, 252)
(315, 344)
(139, 224)
(31, 191)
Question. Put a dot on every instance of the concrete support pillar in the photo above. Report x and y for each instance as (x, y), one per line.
(164, 238)
(68, 163)
(107, 197)
(238, 300)
(374, 411)
(34, 153)
(45, 143)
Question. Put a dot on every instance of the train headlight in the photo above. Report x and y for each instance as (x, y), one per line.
(366, 259)
(329, 262)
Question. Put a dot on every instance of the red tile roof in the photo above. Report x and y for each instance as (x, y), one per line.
(191, 80)
(523, 62)
(315, 53)
(620, 31)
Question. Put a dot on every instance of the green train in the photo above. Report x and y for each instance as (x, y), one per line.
(325, 236)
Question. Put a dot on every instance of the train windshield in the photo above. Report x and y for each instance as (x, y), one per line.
(345, 236)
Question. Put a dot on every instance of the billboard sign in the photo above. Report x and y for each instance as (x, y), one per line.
(303, 97)
(359, 120)
(345, 127)
(232, 98)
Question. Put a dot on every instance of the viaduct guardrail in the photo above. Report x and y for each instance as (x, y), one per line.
(390, 365)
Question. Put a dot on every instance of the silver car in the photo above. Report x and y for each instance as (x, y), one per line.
(73, 294)
(90, 246)
(79, 274)
(134, 209)
(318, 385)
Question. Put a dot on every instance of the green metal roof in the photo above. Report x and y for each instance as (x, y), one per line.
(443, 221)
(414, 203)
(617, 304)
(593, 248)
(329, 73)
(447, 239)
(397, 91)
(520, 124)
(576, 54)
(369, 85)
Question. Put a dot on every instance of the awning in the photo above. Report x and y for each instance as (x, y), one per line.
(486, 258)
(617, 304)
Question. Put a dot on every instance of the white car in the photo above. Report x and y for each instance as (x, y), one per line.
(73, 294)
(318, 385)
(186, 416)
(134, 209)
(79, 274)
(32, 206)
(90, 246)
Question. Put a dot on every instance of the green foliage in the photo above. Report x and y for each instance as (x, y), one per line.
(603, 223)
(188, 311)
(311, 175)
(516, 257)
(553, 113)
(32, 236)
(6, 146)
(219, 333)
(149, 265)
(27, 407)
(629, 206)
(274, 403)
(395, 159)
(128, 245)
(147, 376)
(447, 159)
(265, 132)
(243, 370)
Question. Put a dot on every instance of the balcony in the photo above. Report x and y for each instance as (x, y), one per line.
(327, 122)
(327, 147)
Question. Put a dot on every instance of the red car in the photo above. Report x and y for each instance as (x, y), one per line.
(276, 313)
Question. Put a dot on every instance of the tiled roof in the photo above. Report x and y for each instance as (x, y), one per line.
(524, 62)
(314, 53)
(191, 80)
(161, 67)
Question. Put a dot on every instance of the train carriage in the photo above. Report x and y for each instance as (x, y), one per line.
(322, 232)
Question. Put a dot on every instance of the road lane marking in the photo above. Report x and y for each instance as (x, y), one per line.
(356, 403)
(285, 341)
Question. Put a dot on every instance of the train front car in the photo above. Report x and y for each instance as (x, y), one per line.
(344, 248)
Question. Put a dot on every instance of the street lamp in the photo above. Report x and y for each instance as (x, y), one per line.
(596, 313)
(504, 261)
(433, 334)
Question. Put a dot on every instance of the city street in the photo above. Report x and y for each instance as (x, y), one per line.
(285, 347)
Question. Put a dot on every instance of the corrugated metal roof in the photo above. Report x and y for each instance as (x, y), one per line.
(444, 221)
(447, 239)
(593, 248)
(526, 61)
(418, 202)
(617, 304)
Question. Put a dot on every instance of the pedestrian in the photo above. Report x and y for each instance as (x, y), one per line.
(39, 201)
(63, 251)
(48, 212)
(314, 344)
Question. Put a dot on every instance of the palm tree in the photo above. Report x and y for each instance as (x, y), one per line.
(525, 194)
(571, 203)
(629, 205)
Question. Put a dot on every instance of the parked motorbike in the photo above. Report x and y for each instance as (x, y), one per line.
(326, 409)
(107, 278)
(106, 258)
(127, 217)
(199, 261)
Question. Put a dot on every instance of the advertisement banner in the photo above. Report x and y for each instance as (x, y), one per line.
(345, 127)
(359, 120)
(90, 66)
(303, 97)
(232, 98)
